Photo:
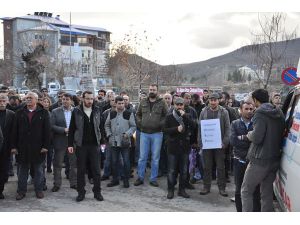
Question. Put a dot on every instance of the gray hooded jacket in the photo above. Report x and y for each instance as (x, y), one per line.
(267, 135)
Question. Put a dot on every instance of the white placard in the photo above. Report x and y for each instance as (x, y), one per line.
(211, 134)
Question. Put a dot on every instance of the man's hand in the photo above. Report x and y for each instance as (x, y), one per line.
(66, 130)
(180, 128)
(71, 150)
(182, 112)
(14, 151)
(44, 150)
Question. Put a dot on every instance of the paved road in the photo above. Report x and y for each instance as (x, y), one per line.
(143, 198)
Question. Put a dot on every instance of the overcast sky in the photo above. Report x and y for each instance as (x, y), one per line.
(179, 35)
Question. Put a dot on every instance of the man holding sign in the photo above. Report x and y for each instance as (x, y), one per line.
(214, 131)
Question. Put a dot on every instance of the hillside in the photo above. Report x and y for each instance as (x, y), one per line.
(228, 62)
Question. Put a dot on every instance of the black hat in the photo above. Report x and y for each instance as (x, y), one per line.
(214, 95)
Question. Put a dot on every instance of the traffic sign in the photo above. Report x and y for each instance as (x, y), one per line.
(289, 76)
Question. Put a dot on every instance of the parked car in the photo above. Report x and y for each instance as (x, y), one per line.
(23, 90)
(287, 183)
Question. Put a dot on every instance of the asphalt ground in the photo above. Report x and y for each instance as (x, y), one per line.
(144, 198)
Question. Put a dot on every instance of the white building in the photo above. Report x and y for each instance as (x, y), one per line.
(84, 56)
(252, 71)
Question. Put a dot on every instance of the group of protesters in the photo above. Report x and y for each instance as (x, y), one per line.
(164, 133)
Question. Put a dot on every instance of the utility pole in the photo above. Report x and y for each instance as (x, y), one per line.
(70, 44)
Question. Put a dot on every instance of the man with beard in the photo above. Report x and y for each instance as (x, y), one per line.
(214, 111)
(84, 139)
(61, 118)
(178, 128)
(150, 119)
(6, 123)
(239, 130)
(192, 114)
(264, 153)
(224, 100)
(197, 104)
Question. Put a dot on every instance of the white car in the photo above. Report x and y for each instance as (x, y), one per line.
(287, 183)
(23, 90)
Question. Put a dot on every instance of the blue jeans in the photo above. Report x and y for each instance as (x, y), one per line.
(107, 162)
(23, 176)
(137, 145)
(149, 142)
(117, 168)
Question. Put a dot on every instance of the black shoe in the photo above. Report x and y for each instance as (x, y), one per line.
(80, 197)
(170, 194)
(189, 186)
(104, 178)
(138, 182)
(204, 191)
(73, 187)
(20, 196)
(45, 188)
(91, 181)
(154, 183)
(113, 183)
(125, 184)
(55, 189)
(1, 196)
(39, 195)
(98, 196)
(223, 193)
(193, 181)
(183, 194)
(49, 170)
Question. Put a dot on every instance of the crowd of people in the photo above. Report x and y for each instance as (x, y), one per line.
(85, 133)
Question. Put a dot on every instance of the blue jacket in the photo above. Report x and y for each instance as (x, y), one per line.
(240, 147)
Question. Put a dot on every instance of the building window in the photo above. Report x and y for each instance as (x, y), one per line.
(98, 70)
(39, 37)
(89, 54)
(101, 44)
(82, 40)
(65, 39)
(85, 68)
(82, 53)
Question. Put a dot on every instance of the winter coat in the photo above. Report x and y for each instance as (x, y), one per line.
(240, 147)
(176, 141)
(29, 138)
(7, 131)
(76, 128)
(151, 121)
(267, 135)
(118, 124)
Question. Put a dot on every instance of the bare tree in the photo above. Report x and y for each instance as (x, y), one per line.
(128, 69)
(269, 45)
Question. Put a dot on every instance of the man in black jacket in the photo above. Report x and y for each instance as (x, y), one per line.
(240, 144)
(30, 141)
(6, 122)
(178, 129)
(84, 139)
(264, 153)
